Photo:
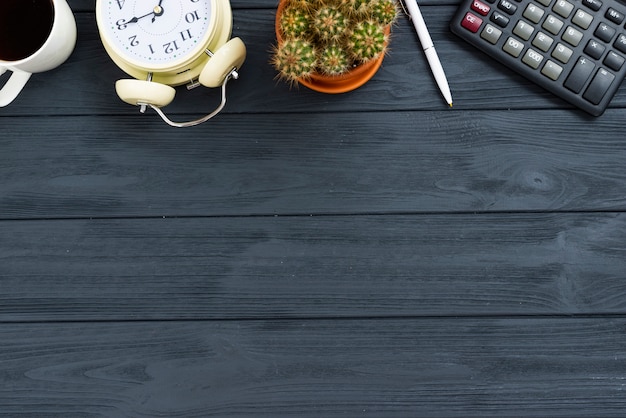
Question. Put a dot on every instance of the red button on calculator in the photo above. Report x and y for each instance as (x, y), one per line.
(471, 22)
(480, 7)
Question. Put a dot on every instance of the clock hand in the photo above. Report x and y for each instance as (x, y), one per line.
(158, 11)
(136, 19)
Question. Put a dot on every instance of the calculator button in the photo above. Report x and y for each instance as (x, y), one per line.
(582, 19)
(614, 61)
(471, 22)
(513, 47)
(544, 2)
(579, 75)
(532, 58)
(572, 36)
(480, 7)
(491, 34)
(620, 43)
(614, 16)
(553, 24)
(599, 86)
(507, 7)
(533, 13)
(562, 53)
(552, 70)
(563, 8)
(543, 41)
(604, 32)
(594, 49)
(500, 19)
(523, 30)
(594, 5)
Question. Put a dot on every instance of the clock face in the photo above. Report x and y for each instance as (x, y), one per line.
(156, 34)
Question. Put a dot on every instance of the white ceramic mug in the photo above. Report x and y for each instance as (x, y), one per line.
(35, 36)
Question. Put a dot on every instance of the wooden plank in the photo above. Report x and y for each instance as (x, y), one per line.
(436, 367)
(84, 85)
(312, 164)
(310, 267)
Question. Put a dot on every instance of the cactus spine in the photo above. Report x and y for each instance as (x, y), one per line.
(294, 59)
(367, 41)
(384, 11)
(294, 22)
(334, 60)
(329, 23)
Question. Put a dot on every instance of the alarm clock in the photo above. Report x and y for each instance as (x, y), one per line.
(167, 43)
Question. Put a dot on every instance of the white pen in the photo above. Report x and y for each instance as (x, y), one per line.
(429, 49)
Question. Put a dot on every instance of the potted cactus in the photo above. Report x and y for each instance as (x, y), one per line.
(332, 46)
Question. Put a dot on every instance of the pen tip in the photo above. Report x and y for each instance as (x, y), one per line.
(450, 104)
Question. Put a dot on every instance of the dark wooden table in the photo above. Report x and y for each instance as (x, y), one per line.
(367, 254)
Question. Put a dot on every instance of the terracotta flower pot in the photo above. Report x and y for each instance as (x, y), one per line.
(342, 83)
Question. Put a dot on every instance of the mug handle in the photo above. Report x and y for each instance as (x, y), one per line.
(13, 86)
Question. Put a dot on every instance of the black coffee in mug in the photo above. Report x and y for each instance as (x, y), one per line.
(24, 27)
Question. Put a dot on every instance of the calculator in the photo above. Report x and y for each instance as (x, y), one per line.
(575, 49)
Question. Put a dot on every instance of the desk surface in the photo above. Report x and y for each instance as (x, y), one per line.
(367, 254)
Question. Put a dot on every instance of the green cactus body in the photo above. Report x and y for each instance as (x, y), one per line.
(368, 41)
(357, 7)
(329, 23)
(305, 4)
(334, 60)
(384, 12)
(294, 22)
(294, 59)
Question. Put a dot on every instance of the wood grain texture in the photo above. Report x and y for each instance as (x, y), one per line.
(446, 367)
(344, 266)
(354, 162)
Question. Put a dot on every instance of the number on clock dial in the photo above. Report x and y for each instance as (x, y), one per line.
(157, 31)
